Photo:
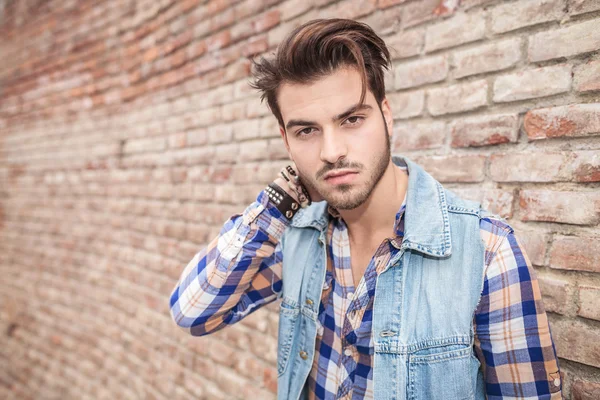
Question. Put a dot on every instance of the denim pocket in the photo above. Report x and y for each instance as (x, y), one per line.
(288, 319)
(440, 373)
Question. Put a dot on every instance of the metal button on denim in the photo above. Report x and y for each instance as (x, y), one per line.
(309, 301)
(303, 354)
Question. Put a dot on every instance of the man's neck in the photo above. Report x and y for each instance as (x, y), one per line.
(374, 219)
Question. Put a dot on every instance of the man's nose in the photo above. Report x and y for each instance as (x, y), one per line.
(333, 146)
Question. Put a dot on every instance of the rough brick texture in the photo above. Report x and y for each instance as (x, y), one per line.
(129, 134)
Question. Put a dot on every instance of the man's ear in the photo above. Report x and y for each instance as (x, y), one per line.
(387, 115)
(285, 141)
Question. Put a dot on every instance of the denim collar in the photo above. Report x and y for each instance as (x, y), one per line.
(426, 222)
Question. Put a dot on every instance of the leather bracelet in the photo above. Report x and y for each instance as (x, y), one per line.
(285, 203)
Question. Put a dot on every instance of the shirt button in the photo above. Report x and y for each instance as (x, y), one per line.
(348, 352)
(557, 382)
(303, 354)
(309, 302)
(349, 295)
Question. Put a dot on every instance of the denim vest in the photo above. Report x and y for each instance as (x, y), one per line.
(424, 301)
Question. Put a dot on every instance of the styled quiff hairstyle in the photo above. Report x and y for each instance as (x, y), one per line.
(314, 50)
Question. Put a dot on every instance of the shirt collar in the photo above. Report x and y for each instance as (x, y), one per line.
(334, 213)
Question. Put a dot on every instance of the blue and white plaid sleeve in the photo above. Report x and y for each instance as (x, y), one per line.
(238, 271)
(512, 335)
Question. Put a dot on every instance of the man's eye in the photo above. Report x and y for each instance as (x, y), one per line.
(305, 130)
(354, 119)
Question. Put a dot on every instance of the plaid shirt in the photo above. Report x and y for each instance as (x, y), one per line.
(512, 335)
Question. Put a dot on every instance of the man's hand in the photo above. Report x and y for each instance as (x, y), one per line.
(314, 196)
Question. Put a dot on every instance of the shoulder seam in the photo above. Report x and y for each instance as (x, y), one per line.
(500, 241)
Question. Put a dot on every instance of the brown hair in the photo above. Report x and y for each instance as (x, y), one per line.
(317, 48)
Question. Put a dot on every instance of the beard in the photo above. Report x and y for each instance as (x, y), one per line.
(348, 196)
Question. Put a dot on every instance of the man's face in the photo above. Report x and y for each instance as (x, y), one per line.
(321, 136)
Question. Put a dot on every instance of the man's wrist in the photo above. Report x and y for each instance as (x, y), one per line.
(283, 201)
(283, 184)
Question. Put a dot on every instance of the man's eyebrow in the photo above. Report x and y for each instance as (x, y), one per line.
(348, 112)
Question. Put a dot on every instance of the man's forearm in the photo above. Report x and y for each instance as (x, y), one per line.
(239, 271)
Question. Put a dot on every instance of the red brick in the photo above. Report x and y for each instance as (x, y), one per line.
(466, 4)
(406, 44)
(446, 8)
(227, 153)
(578, 38)
(218, 40)
(264, 349)
(497, 201)
(462, 28)
(589, 302)
(266, 21)
(222, 20)
(293, 8)
(246, 129)
(488, 57)
(511, 16)
(276, 150)
(577, 341)
(200, 155)
(152, 144)
(585, 390)
(219, 173)
(388, 78)
(251, 391)
(410, 136)
(383, 22)
(585, 166)
(457, 98)
(270, 378)
(587, 76)
(269, 127)
(253, 150)
(580, 166)
(455, 168)
(563, 207)
(241, 30)
(255, 108)
(536, 244)
(577, 7)
(421, 71)
(197, 137)
(417, 12)
(248, 8)
(222, 133)
(247, 365)
(571, 121)
(388, 3)
(555, 294)
(196, 233)
(532, 83)
(353, 9)
(484, 130)
(407, 104)
(177, 140)
(242, 89)
(577, 253)
(257, 321)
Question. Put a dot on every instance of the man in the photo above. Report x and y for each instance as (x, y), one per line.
(391, 286)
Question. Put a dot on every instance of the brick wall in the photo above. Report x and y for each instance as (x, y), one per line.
(129, 134)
